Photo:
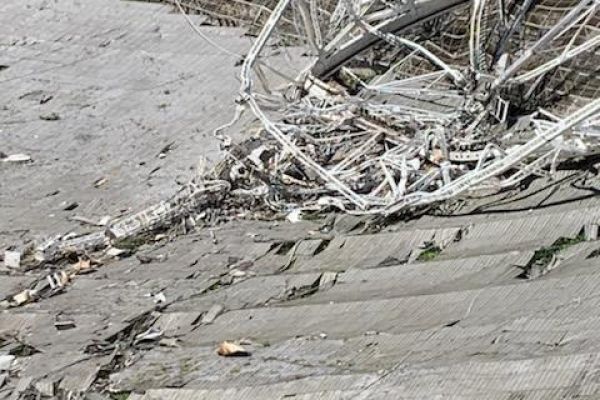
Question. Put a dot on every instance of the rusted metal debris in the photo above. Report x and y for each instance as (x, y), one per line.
(399, 105)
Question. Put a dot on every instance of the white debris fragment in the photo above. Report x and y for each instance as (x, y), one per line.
(115, 252)
(12, 259)
(58, 280)
(294, 216)
(160, 298)
(6, 362)
(170, 342)
(89, 221)
(328, 201)
(23, 297)
(149, 335)
(17, 158)
(236, 273)
(99, 182)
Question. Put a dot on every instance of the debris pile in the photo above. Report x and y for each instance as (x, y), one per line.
(397, 105)
(426, 126)
(472, 97)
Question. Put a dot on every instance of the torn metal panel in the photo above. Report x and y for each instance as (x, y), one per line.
(369, 251)
(77, 370)
(522, 233)
(253, 292)
(423, 278)
(79, 378)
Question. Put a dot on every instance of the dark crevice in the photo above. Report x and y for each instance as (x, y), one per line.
(124, 338)
(285, 247)
(121, 346)
(389, 261)
(594, 254)
(22, 349)
(301, 292)
(322, 246)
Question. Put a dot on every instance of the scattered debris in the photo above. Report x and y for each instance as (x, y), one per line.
(15, 158)
(53, 116)
(100, 182)
(149, 335)
(242, 265)
(71, 206)
(46, 98)
(83, 265)
(236, 273)
(116, 252)
(166, 149)
(213, 236)
(88, 221)
(169, 342)
(147, 259)
(22, 298)
(160, 298)
(294, 216)
(416, 127)
(230, 349)
(367, 135)
(6, 362)
(63, 325)
(369, 131)
(12, 259)
(58, 280)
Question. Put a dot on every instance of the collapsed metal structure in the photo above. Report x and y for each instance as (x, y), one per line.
(397, 104)
(474, 96)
